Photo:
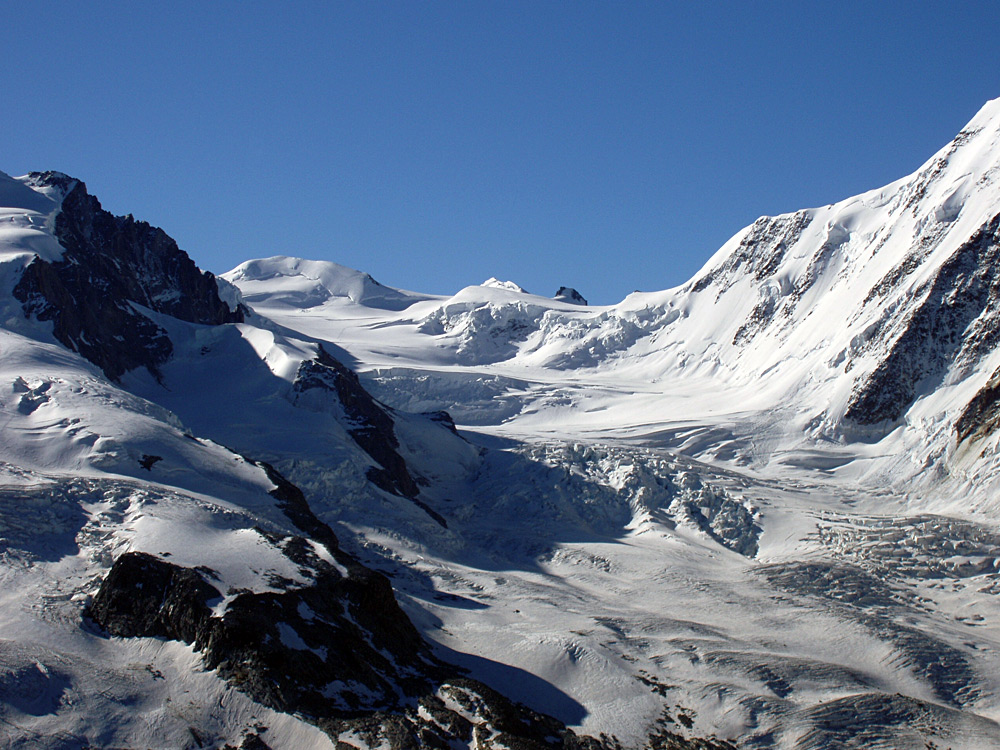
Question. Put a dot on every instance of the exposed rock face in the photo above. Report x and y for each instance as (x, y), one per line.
(143, 595)
(323, 383)
(374, 427)
(569, 294)
(54, 184)
(337, 647)
(956, 321)
(981, 416)
(334, 648)
(338, 652)
(295, 506)
(443, 418)
(111, 268)
(760, 252)
(251, 741)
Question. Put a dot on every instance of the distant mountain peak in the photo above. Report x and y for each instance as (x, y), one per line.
(29, 193)
(52, 184)
(569, 294)
(494, 283)
(303, 284)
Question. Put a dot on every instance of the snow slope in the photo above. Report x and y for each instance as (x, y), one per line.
(299, 284)
(161, 588)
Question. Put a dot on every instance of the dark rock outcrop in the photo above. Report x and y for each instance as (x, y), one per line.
(760, 252)
(339, 653)
(143, 595)
(284, 649)
(294, 505)
(956, 321)
(336, 650)
(373, 427)
(443, 418)
(981, 416)
(569, 294)
(112, 267)
(251, 741)
(759, 255)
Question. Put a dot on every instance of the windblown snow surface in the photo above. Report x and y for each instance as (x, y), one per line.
(761, 506)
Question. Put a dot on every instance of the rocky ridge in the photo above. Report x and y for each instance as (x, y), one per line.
(113, 267)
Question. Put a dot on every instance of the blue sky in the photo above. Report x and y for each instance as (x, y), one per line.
(606, 146)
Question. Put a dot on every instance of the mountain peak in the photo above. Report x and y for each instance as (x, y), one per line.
(494, 283)
(569, 294)
(299, 283)
(54, 185)
(22, 193)
(110, 266)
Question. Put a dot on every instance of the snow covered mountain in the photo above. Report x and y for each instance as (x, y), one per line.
(864, 331)
(292, 507)
(165, 586)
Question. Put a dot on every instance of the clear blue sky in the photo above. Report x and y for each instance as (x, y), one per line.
(607, 146)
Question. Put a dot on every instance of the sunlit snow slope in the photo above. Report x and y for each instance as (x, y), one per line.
(165, 587)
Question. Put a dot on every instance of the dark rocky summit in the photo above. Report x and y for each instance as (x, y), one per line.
(569, 294)
(112, 268)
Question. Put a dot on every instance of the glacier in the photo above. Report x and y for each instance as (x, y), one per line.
(756, 510)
